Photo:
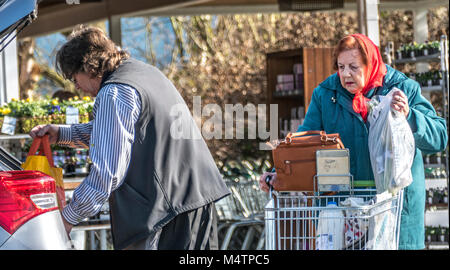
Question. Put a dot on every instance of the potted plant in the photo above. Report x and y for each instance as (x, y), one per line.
(408, 51)
(430, 76)
(427, 234)
(422, 79)
(30, 113)
(405, 51)
(430, 194)
(13, 109)
(435, 47)
(84, 106)
(400, 51)
(437, 77)
(439, 196)
(426, 47)
(33, 114)
(417, 49)
(442, 232)
(433, 234)
(416, 76)
(446, 235)
(445, 196)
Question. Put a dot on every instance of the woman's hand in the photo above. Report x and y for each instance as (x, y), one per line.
(262, 181)
(41, 130)
(400, 102)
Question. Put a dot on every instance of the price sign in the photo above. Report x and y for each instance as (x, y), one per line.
(72, 116)
(9, 125)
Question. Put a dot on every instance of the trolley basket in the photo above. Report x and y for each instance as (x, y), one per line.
(359, 220)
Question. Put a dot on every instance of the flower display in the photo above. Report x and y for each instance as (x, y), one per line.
(415, 49)
(30, 113)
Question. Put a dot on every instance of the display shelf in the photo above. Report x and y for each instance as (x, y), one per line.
(292, 105)
(437, 245)
(297, 93)
(426, 58)
(440, 165)
(438, 217)
(436, 183)
(432, 88)
(14, 137)
(437, 207)
(435, 215)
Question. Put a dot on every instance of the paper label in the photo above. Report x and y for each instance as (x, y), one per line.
(72, 116)
(9, 125)
(333, 166)
(324, 242)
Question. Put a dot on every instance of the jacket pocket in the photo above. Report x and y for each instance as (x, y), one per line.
(133, 195)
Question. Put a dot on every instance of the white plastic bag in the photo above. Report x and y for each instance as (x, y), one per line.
(370, 224)
(382, 224)
(391, 145)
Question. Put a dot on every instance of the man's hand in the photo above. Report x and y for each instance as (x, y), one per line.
(41, 130)
(400, 102)
(67, 226)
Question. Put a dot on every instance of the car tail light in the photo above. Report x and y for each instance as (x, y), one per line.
(24, 195)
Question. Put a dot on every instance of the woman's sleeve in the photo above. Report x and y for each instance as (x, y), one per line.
(313, 118)
(429, 130)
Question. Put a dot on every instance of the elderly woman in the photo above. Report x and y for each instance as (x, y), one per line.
(338, 105)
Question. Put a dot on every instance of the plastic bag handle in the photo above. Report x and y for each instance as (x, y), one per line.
(36, 145)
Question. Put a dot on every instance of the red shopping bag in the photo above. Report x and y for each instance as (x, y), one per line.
(44, 163)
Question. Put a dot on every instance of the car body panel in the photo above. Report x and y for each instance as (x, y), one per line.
(4, 235)
(44, 232)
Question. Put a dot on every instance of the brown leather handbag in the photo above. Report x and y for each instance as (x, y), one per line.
(295, 159)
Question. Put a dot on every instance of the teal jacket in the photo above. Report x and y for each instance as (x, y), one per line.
(331, 110)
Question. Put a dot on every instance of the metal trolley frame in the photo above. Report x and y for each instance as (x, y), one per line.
(292, 220)
(368, 220)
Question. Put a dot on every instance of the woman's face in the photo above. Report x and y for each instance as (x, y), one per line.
(351, 70)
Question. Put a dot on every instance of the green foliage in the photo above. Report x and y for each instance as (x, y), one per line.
(45, 107)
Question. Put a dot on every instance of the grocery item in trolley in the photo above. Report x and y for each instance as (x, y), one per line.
(355, 231)
(330, 228)
(391, 145)
(295, 158)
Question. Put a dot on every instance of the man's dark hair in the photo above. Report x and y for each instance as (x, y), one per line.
(89, 50)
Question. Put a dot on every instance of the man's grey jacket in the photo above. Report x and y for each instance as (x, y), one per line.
(168, 174)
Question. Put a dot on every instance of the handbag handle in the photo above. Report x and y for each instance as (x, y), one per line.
(303, 133)
(36, 145)
(322, 133)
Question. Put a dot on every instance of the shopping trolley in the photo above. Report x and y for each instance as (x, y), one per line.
(361, 219)
(244, 208)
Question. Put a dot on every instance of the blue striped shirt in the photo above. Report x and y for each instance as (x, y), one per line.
(109, 136)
